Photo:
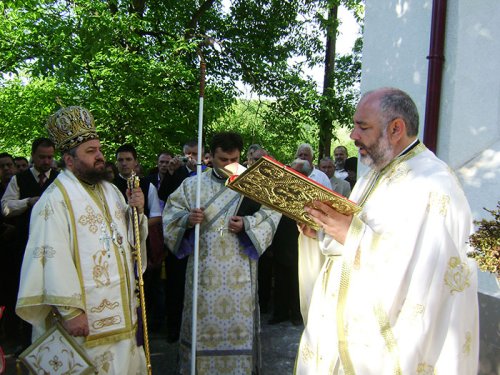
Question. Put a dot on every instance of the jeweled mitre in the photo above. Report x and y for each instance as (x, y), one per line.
(70, 127)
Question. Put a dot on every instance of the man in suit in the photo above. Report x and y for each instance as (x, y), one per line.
(340, 186)
(23, 191)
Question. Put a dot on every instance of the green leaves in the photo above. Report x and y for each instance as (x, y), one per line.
(135, 65)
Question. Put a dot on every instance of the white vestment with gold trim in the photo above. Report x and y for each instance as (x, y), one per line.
(228, 315)
(400, 296)
(79, 257)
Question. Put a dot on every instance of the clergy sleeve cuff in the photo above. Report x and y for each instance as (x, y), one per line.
(68, 312)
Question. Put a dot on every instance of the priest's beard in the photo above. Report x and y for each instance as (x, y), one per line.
(90, 174)
(379, 154)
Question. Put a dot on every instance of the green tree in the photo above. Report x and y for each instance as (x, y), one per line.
(135, 65)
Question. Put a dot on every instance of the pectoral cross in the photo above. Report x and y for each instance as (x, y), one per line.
(221, 230)
(105, 239)
(116, 237)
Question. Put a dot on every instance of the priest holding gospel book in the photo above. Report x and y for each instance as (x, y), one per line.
(395, 291)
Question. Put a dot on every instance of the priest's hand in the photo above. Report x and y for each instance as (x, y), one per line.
(306, 230)
(196, 216)
(136, 199)
(77, 326)
(236, 224)
(333, 223)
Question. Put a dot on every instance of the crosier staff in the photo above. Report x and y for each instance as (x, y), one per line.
(133, 182)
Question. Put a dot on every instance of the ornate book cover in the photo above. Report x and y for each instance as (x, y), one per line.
(56, 352)
(285, 190)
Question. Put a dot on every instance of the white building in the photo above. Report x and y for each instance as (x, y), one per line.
(397, 37)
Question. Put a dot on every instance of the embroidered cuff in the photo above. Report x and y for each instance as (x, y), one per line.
(68, 312)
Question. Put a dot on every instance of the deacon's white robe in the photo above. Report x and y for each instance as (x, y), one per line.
(228, 314)
(400, 296)
(79, 258)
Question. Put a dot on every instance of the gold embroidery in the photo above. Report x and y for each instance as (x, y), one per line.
(120, 212)
(55, 363)
(223, 253)
(307, 353)
(438, 203)
(202, 311)
(397, 173)
(210, 335)
(237, 278)
(105, 304)
(46, 212)
(457, 277)
(357, 260)
(425, 369)
(388, 336)
(91, 218)
(412, 311)
(211, 279)
(202, 365)
(467, 345)
(103, 361)
(225, 365)
(44, 253)
(247, 306)
(238, 334)
(224, 307)
(107, 322)
(100, 272)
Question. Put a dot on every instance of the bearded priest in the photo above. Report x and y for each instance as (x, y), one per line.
(396, 293)
(78, 268)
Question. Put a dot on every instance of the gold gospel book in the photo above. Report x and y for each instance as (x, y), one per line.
(285, 190)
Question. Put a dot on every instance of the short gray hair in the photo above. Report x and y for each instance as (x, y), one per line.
(306, 146)
(396, 103)
(307, 168)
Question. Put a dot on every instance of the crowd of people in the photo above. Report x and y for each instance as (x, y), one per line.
(389, 289)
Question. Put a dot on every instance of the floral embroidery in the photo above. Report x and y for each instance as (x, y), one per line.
(55, 363)
(425, 369)
(100, 272)
(91, 219)
(44, 253)
(106, 322)
(104, 361)
(457, 277)
(307, 353)
(438, 203)
(105, 304)
(120, 212)
(224, 307)
(46, 211)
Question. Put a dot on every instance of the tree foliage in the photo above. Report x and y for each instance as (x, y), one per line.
(135, 65)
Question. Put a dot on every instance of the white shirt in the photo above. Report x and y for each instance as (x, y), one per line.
(341, 173)
(11, 204)
(153, 201)
(320, 177)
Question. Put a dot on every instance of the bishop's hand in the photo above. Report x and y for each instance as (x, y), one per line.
(77, 326)
(136, 199)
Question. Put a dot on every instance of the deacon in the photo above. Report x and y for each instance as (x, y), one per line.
(78, 267)
(234, 232)
(397, 293)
